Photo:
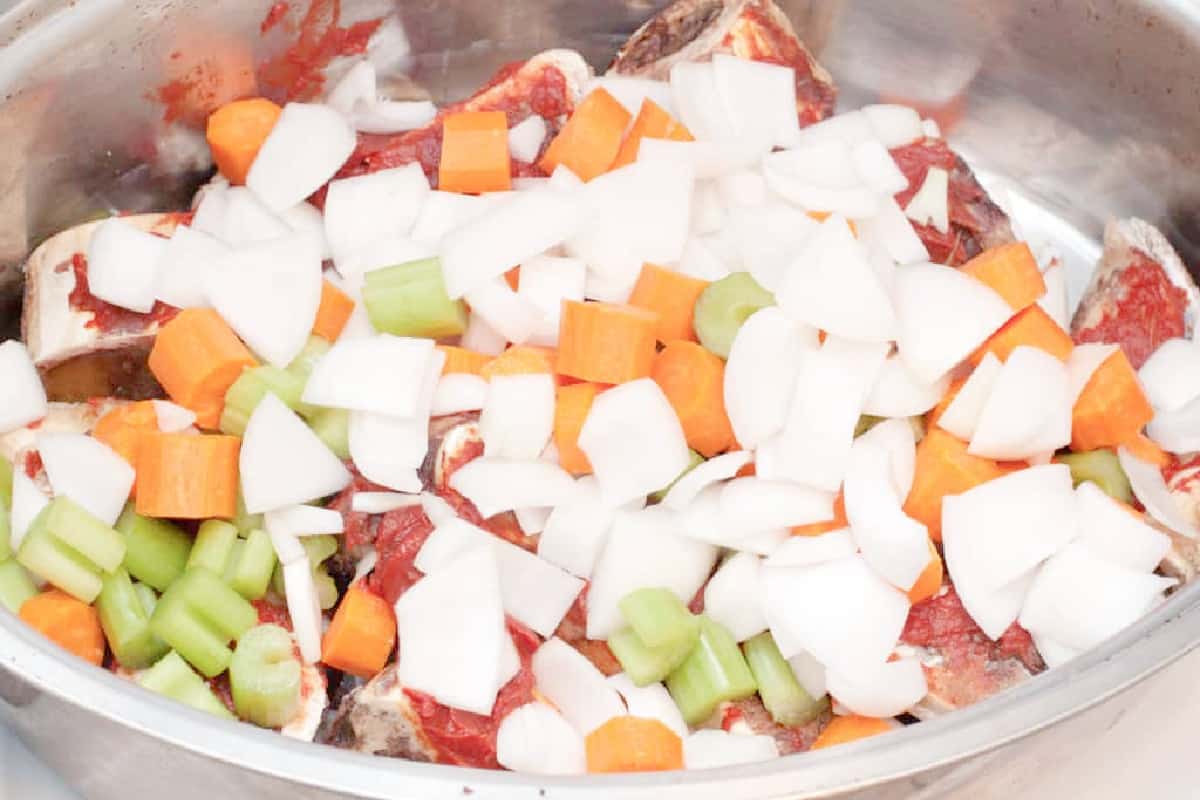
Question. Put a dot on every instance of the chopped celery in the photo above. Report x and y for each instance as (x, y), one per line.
(694, 460)
(245, 521)
(264, 676)
(6, 551)
(659, 618)
(645, 665)
(314, 350)
(213, 546)
(713, 673)
(250, 567)
(15, 586)
(781, 693)
(327, 592)
(724, 306)
(332, 426)
(1102, 468)
(147, 596)
(319, 548)
(126, 623)
(6, 477)
(156, 551)
(173, 678)
(198, 616)
(410, 300)
(250, 388)
(71, 549)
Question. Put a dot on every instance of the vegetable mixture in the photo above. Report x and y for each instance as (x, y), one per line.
(641, 421)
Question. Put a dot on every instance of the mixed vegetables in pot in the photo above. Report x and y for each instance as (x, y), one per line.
(641, 421)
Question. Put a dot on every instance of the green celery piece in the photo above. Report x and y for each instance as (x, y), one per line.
(722, 308)
(6, 478)
(198, 616)
(782, 695)
(319, 548)
(147, 596)
(126, 623)
(245, 521)
(173, 678)
(156, 551)
(249, 569)
(332, 426)
(660, 619)
(410, 300)
(327, 593)
(15, 586)
(314, 350)
(645, 665)
(6, 551)
(264, 676)
(71, 549)
(694, 460)
(1102, 468)
(249, 389)
(713, 673)
(213, 546)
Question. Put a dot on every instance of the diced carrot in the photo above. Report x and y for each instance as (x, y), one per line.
(123, 427)
(71, 624)
(1032, 327)
(513, 278)
(333, 313)
(362, 634)
(571, 407)
(1011, 271)
(235, 133)
(185, 476)
(672, 295)
(520, 360)
(838, 522)
(633, 744)
(843, 730)
(652, 122)
(930, 581)
(748, 471)
(588, 144)
(460, 359)
(605, 342)
(475, 153)
(1147, 451)
(944, 467)
(197, 357)
(1112, 409)
(693, 379)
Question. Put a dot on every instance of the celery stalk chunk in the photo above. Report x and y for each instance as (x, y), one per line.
(249, 389)
(213, 546)
(156, 552)
(314, 350)
(659, 618)
(6, 478)
(251, 565)
(198, 616)
(15, 586)
(645, 665)
(410, 300)
(71, 549)
(332, 426)
(173, 678)
(126, 623)
(265, 676)
(245, 521)
(722, 308)
(1102, 468)
(713, 673)
(781, 693)
(6, 551)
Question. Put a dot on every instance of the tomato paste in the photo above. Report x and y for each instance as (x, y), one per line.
(106, 317)
(298, 72)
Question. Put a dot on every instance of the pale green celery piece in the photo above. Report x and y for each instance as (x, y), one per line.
(713, 673)
(126, 623)
(722, 308)
(1101, 467)
(156, 552)
(332, 426)
(782, 695)
(645, 665)
(6, 478)
(659, 618)
(172, 677)
(249, 570)
(198, 617)
(71, 549)
(213, 546)
(314, 350)
(15, 586)
(265, 676)
(410, 300)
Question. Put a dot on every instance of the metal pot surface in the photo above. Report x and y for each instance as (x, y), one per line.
(1088, 111)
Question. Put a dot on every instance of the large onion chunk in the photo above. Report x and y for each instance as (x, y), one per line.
(1116, 535)
(24, 398)
(961, 417)
(884, 690)
(366, 209)
(710, 749)
(383, 374)
(732, 596)
(649, 702)
(27, 502)
(500, 484)
(1171, 376)
(1028, 410)
(518, 417)
(1152, 492)
(900, 393)
(535, 738)
(760, 375)
(576, 531)
(123, 264)
(307, 145)
(703, 475)
(87, 471)
(567, 679)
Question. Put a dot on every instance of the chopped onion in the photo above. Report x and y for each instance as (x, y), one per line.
(900, 393)
(1177, 431)
(931, 129)
(518, 417)
(699, 261)
(27, 502)
(759, 504)
(383, 374)
(458, 392)
(87, 471)
(576, 531)
(187, 256)
(761, 99)
(810, 673)
(304, 608)
(745, 187)
(878, 169)
(567, 679)
(1028, 410)
(1053, 653)
(961, 417)
(356, 87)
(702, 109)
(931, 204)
(1054, 302)
(851, 129)
(511, 315)
(304, 520)
(805, 551)
(768, 238)
(442, 212)
(307, 145)
(760, 375)
(720, 468)
(393, 116)
(708, 208)
(382, 502)
(24, 396)
(210, 205)
(123, 263)
(437, 509)
(649, 702)
(367, 209)
(883, 690)
(732, 596)
(246, 220)
(896, 436)
(896, 546)
(705, 520)
(890, 230)
(532, 520)
(1083, 362)
(389, 450)
(526, 137)
(538, 740)
(497, 484)
(821, 177)
(710, 749)
(894, 126)
(1114, 534)
(1152, 492)
(482, 338)
(545, 282)
(1171, 376)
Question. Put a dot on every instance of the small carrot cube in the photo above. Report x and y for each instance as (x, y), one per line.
(1011, 271)
(236, 131)
(672, 295)
(1032, 327)
(633, 744)
(571, 407)
(652, 122)
(185, 476)
(588, 144)
(333, 313)
(462, 360)
(475, 155)
(843, 730)
(1112, 409)
(606, 342)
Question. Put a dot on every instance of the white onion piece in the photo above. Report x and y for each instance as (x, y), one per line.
(634, 441)
(306, 146)
(545, 282)
(1055, 302)
(526, 137)
(759, 504)
(732, 596)
(878, 169)
(282, 462)
(1171, 376)
(532, 520)
(1083, 362)
(891, 230)
(172, 418)
(538, 740)
(1177, 431)
(122, 264)
(760, 375)
(1079, 599)
(287, 547)
(437, 509)
(389, 450)
(931, 204)
(383, 374)
(88, 472)
(482, 338)
(442, 212)
(247, 220)
(961, 417)
(1052, 652)
(367, 209)
(24, 399)
(805, 551)
(304, 608)
(304, 520)
(496, 484)
(27, 502)
(269, 293)
(763, 543)
(631, 92)
(708, 208)
(699, 261)
(931, 129)
(452, 626)
(357, 86)
(900, 393)
(710, 749)
(209, 204)
(942, 316)
(768, 238)
(810, 673)
(643, 550)
(852, 129)
(761, 99)
(746, 187)
(1028, 410)
(567, 679)
(720, 468)
(576, 531)
(393, 116)
(897, 437)
(894, 126)
(382, 502)
(511, 315)
(649, 702)
(1116, 535)
(701, 107)
(821, 177)
(458, 392)
(188, 254)
(884, 690)
(1152, 492)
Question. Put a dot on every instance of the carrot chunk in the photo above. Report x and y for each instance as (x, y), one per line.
(333, 313)
(930, 580)
(571, 407)
(185, 476)
(588, 144)
(235, 133)
(1112, 409)
(1147, 451)
(693, 380)
(633, 744)
(475, 153)
(1032, 327)
(122, 428)
(1011, 271)
(843, 730)
(944, 467)
(672, 295)
(362, 634)
(606, 342)
(520, 360)
(71, 624)
(652, 122)
(462, 360)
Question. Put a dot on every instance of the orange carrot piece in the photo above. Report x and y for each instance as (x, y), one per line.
(1147, 451)
(235, 133)
(520, 360)
(462, 360)
(652, 122)
(843, 730)
(333, 313)
(185, 476)
(197, 357)
(633, 744)
(588, 144)
(362, 634)
(475, 153)
(930, 581)
(1112, 409)
(513, 278)
(944, 467)
(71, 624)
(693, 380)
(672, 295)
(1033, 327)
(122, 428)
(838, 522)
(605, 342)
(571, 407)
(1011, 271)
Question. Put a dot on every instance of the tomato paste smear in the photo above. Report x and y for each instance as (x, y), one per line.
(33, 464)
(106, 317)
(298, 72)
(275, 15)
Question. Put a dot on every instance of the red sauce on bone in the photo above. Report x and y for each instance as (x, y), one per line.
(943, 624)
(106, 317)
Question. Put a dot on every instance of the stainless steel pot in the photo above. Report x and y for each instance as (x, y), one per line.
(1090, 108)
